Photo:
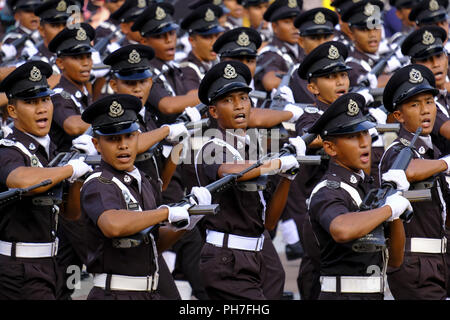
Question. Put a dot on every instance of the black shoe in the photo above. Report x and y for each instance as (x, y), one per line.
(294, 251)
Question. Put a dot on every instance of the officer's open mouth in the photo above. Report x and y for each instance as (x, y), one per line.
(42, 123)
(240, 117)
(365, 157)
(341, 92)
(124, 157)
(426, 123)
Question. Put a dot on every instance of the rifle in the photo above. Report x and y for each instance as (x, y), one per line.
(376, 198)
(17, 193)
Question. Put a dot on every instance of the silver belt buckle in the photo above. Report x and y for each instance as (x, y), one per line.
(155, 280)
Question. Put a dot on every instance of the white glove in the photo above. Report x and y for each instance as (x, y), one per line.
(365, 93)
(175, 131)
(285, 92)
(96, 59)
(378, 114)
(177, 214)
(296, 111)
(29, 51)
(112, 47)
(9, 51)
(398, 177)
(392, 64)
(287, 163)
(79, 169)
(84, 143)
(202, 196)
(299, 144)
(193, 114)
(373, 80)
(398, 204)
(447, 161)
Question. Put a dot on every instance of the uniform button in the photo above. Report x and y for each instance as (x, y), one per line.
(224, 259)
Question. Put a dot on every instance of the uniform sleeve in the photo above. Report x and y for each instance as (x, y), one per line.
(355, 73)
(10, 159)
(276, 64)
(63, 108)
(157, 92)
(388, 159)
(326, 205)
(305, 122)
(191, 80)
(97, 197)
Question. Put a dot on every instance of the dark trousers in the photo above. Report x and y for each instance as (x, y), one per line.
(273, 282)
(167, 288)
(97, 293)
(308, 280)
(27, 278)
(420, 277)
(187, 262)
(71, 252)
(231, 274)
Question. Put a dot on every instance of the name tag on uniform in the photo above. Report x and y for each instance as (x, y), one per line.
(133, 206)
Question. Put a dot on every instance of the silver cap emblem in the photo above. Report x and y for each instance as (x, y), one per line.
(415, 76)
(160, 13)
(209, 15)
(434, 5)
(292, 3)
(115, 110)
(319, 18)
(35, 74)
(369, 9)
(81, 35)
(333, 53)
(62, 6)
(134, 57)
(427, 38)
(243, 40)
(352, 108)
(229, 72)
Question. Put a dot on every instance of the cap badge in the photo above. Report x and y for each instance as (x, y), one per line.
(35, 74)
(81, 35)
(333, 53)
(229, 72)
(369, 9)
(141, 4)
(209, 15)
(434, 5)
(319, 18)
(62, 6)
(292, 3)
(352, 108)
(134, 57)
(415, 76)
(115, 110)
(160, 13)
(243, 40)
(217, 2)
(427, 38)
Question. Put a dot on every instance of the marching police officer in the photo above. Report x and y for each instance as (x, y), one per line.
(203, 29)
(337, 222)
(28, 228)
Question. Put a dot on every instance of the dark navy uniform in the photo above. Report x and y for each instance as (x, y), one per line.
(19, 31)
(281, 54)
(326, 59)
(314, 22)
(202, 22)
(427, 224)
(360, 15)
(340, 191)
(123, 268)
(69, 100)
(420, 45)
(132, 63)
(231, 268)
(28, 243)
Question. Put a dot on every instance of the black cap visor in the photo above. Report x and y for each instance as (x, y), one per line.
(32, 93)
(362, 124)
(117, 128)
(424, 87)
(230, 87)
